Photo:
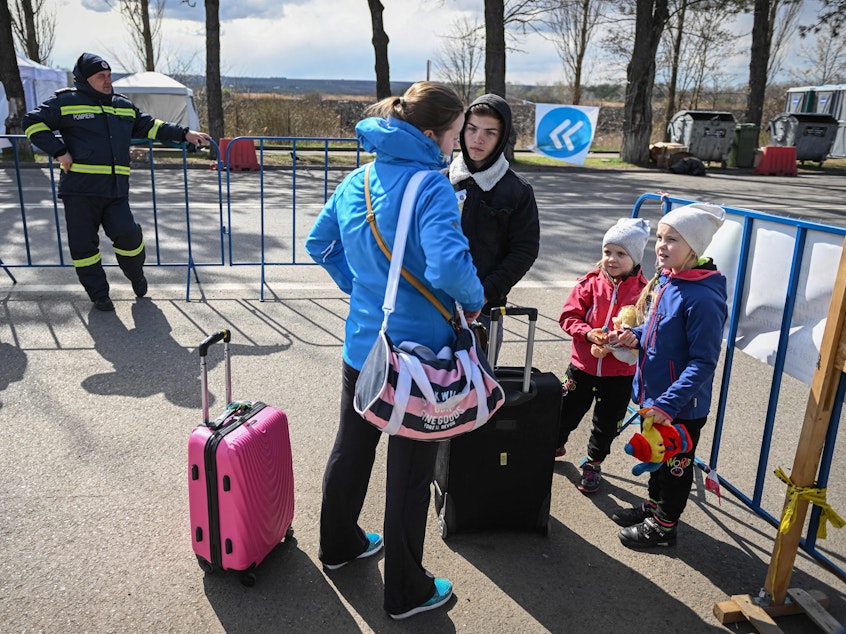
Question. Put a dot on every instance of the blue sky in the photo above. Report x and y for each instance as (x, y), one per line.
(323, 39)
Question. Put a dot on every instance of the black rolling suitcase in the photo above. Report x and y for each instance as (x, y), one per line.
(500, 476)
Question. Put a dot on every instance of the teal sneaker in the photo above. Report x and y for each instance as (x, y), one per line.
(374, 545)
(443, 592)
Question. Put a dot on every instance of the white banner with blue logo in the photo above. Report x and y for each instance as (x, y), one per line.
(564, 133)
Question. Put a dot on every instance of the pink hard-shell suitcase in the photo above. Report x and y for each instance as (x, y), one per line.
(240, 479)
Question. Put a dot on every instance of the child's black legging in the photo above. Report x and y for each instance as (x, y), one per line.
(609, 396)
(670, 485)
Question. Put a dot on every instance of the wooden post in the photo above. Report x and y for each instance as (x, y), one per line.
(812, 438)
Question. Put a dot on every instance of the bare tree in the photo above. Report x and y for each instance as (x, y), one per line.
(460, 56)
(34, 26)
(832, 14)
(694, 46)
(570, 25)
(380, 49)
(824, 59)
(758, 62)
(144, 28)
(214, 90)
(784, 18)
(501, 16)
(10, 76)
(495, 47)
(650, 18)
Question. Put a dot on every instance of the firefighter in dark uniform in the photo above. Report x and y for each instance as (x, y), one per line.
(97, 127)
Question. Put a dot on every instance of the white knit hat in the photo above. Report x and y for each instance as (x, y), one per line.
(696, 223)
(631, 234)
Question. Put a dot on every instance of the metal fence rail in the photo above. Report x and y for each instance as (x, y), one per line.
(261, 207)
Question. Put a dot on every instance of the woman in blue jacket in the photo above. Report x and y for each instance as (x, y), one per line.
(679, 346)
(417, 131)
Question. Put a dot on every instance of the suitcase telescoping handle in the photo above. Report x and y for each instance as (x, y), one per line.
(496, 316)
(225, 336)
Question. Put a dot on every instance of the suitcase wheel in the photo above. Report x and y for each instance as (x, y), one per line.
(205, 565)
(248, 579)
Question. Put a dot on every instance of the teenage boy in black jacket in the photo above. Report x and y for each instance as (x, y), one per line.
(499, 216)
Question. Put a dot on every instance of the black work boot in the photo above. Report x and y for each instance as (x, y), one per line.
(104, 303)
(140, 286)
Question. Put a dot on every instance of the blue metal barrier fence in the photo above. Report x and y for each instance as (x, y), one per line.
(261, 206)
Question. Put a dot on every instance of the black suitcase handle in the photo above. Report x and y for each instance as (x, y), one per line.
(225, 336)
(221, 335)
(496, 314)
(525, 311)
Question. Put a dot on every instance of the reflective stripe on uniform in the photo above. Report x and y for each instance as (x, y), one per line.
(83, 109)
(119, 112)
(87, 261)
(36, 127)
(107, 170)
(130, 254)
(155, 129)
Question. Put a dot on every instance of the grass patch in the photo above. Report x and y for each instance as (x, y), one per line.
(596, 161)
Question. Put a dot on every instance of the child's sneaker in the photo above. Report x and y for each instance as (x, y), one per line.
(591, 476)
(634, 515)
(647, 534)
(443, 591)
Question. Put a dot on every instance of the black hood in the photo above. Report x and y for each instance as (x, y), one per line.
(502, 109)
(86, 65)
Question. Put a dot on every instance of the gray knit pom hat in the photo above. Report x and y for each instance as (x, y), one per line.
(631, 234)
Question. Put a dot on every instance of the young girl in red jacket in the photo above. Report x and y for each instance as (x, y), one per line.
(595, 377)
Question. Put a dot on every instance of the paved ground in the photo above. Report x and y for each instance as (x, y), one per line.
(97, 408)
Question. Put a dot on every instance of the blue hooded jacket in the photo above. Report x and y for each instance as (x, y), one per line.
(436, 252)
(680, 343)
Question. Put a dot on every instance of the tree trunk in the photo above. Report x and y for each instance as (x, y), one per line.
(759, 59)
(670, 110)
(650, 19)
(10, 75)
(380, 49)
(30, 43)
(214, 92)
(495, 47)
(147, 34)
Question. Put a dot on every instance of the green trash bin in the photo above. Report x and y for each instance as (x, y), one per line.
(743, 147)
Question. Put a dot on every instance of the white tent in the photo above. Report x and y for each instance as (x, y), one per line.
(160, 96)
(39, 83)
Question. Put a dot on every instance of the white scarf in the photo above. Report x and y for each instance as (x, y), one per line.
(458, 171)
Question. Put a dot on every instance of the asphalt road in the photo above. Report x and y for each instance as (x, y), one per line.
(97, 408)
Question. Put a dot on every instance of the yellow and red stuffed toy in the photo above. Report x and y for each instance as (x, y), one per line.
(655, 444)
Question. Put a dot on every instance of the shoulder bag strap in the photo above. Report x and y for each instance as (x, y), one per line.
(408, 197)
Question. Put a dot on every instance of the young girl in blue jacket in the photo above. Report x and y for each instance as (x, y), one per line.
(679, 346)
(417, 131)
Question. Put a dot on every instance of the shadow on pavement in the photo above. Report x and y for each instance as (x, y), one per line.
(568, 585)
(290, 594)
(13, 366)
(147, 360)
